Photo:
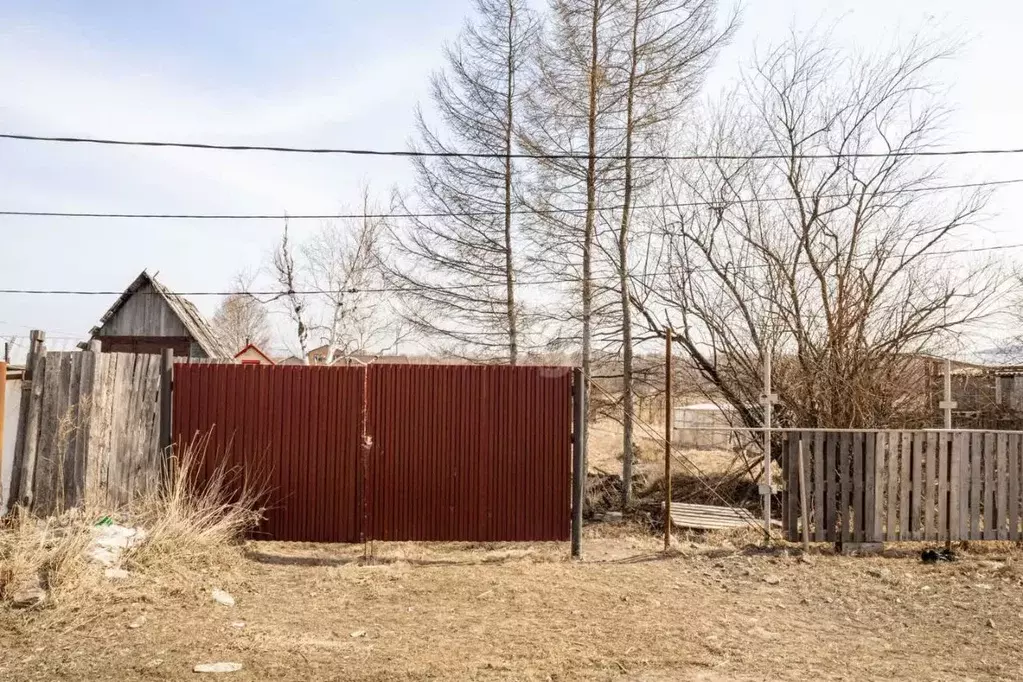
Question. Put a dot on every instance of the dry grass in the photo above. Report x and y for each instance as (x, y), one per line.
(190, 525)
(712, 610)
(190, 531)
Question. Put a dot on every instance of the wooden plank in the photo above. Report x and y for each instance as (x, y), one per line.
(858, 482)
(870, 529)
(86, 381)
(784, 459)
(71, 419)
(892, 442)
(976, 485)
(930, 485)
(792, 487)
(955, 469)
(1014, 466)
(988, 459)
(818, 487)
(47, 460)
(845, 485)
(916, 496)
(30, 446)
(944, 453)
(830, 488)
(905, 484)
(1002, 488)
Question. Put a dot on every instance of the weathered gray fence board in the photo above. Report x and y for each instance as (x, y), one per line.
(988, 462)
(818, 487)
(955, 470)
(858, 482)
(916, 493)
(976, 472)
(944, 447)
(845, 487)
(930, 486)
(906, 460)
(90, 428)
(1014, 466)
(830, 473)
(880, 479)
(1002, 489)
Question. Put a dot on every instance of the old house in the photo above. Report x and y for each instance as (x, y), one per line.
(148, 317)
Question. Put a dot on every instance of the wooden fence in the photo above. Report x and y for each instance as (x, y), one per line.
(89, 421)
(879, 486)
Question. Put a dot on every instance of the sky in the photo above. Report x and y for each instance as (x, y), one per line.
(346, 73)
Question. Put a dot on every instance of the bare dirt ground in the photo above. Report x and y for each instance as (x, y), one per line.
(711, 611)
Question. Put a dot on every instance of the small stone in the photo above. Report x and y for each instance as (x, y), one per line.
(991, 623)
(358, 633)
(806, 559)
(772, 579)
(879, 572)
(28, 594)
(984, 586)
(222, 597)
(137, 623)
(116, 574)
(222, 667)
(238, 624)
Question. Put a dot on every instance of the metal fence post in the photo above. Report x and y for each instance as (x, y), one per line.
(578, 457)
(766, 488)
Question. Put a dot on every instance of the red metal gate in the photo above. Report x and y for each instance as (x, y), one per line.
(390, 452)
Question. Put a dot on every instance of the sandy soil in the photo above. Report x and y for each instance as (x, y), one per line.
(709, 612)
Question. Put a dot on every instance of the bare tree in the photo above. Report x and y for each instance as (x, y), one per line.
(240, 320)
(819, 256)
(460, 271)
(342, 270)
(286, 279)
(667, 46)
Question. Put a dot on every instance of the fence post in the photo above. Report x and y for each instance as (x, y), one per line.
(948, 404)
(23, 466)
(166, 390)
(578, 457)
(668, 423)
(766, 488)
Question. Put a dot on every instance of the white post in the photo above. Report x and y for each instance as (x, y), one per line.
(948, 404)
(768, 400)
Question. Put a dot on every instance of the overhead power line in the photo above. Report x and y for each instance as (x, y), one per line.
(497, 155)
(453, 287)
(471, 214)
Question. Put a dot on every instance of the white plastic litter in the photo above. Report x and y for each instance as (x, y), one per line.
(109, 542)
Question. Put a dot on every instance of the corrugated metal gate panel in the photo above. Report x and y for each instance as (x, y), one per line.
(469, 452)
(455, 452)
(297, 428)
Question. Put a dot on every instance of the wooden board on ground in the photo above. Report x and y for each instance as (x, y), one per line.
(709, 517)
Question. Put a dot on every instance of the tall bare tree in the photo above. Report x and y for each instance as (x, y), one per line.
(240, 320)
(666, 49)
(460, 271)
(818, 255)
(569, 128)
(286, 280)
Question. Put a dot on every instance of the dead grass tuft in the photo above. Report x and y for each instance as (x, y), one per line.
(193, 525)
(48, 553)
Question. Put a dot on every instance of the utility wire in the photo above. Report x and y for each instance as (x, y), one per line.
(452, 287)
(471, 214)
(493, 155)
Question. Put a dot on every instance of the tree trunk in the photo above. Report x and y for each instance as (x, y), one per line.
(509, 261)
(623, 279)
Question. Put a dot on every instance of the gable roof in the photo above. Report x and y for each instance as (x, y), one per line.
(254, 347)
(196, 325)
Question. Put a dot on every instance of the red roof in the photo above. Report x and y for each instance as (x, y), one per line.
(254, 347)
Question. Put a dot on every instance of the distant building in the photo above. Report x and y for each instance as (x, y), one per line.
(252, 355)
(148, 317)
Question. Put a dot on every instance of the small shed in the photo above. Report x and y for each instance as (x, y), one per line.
(705, 426)
(252, 355)
(149, 317)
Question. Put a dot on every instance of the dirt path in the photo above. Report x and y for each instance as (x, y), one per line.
(525, 613)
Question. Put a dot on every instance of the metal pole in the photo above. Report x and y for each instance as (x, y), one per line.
(668, 423)
(802, 499)
(765, 488)
(578, 458)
